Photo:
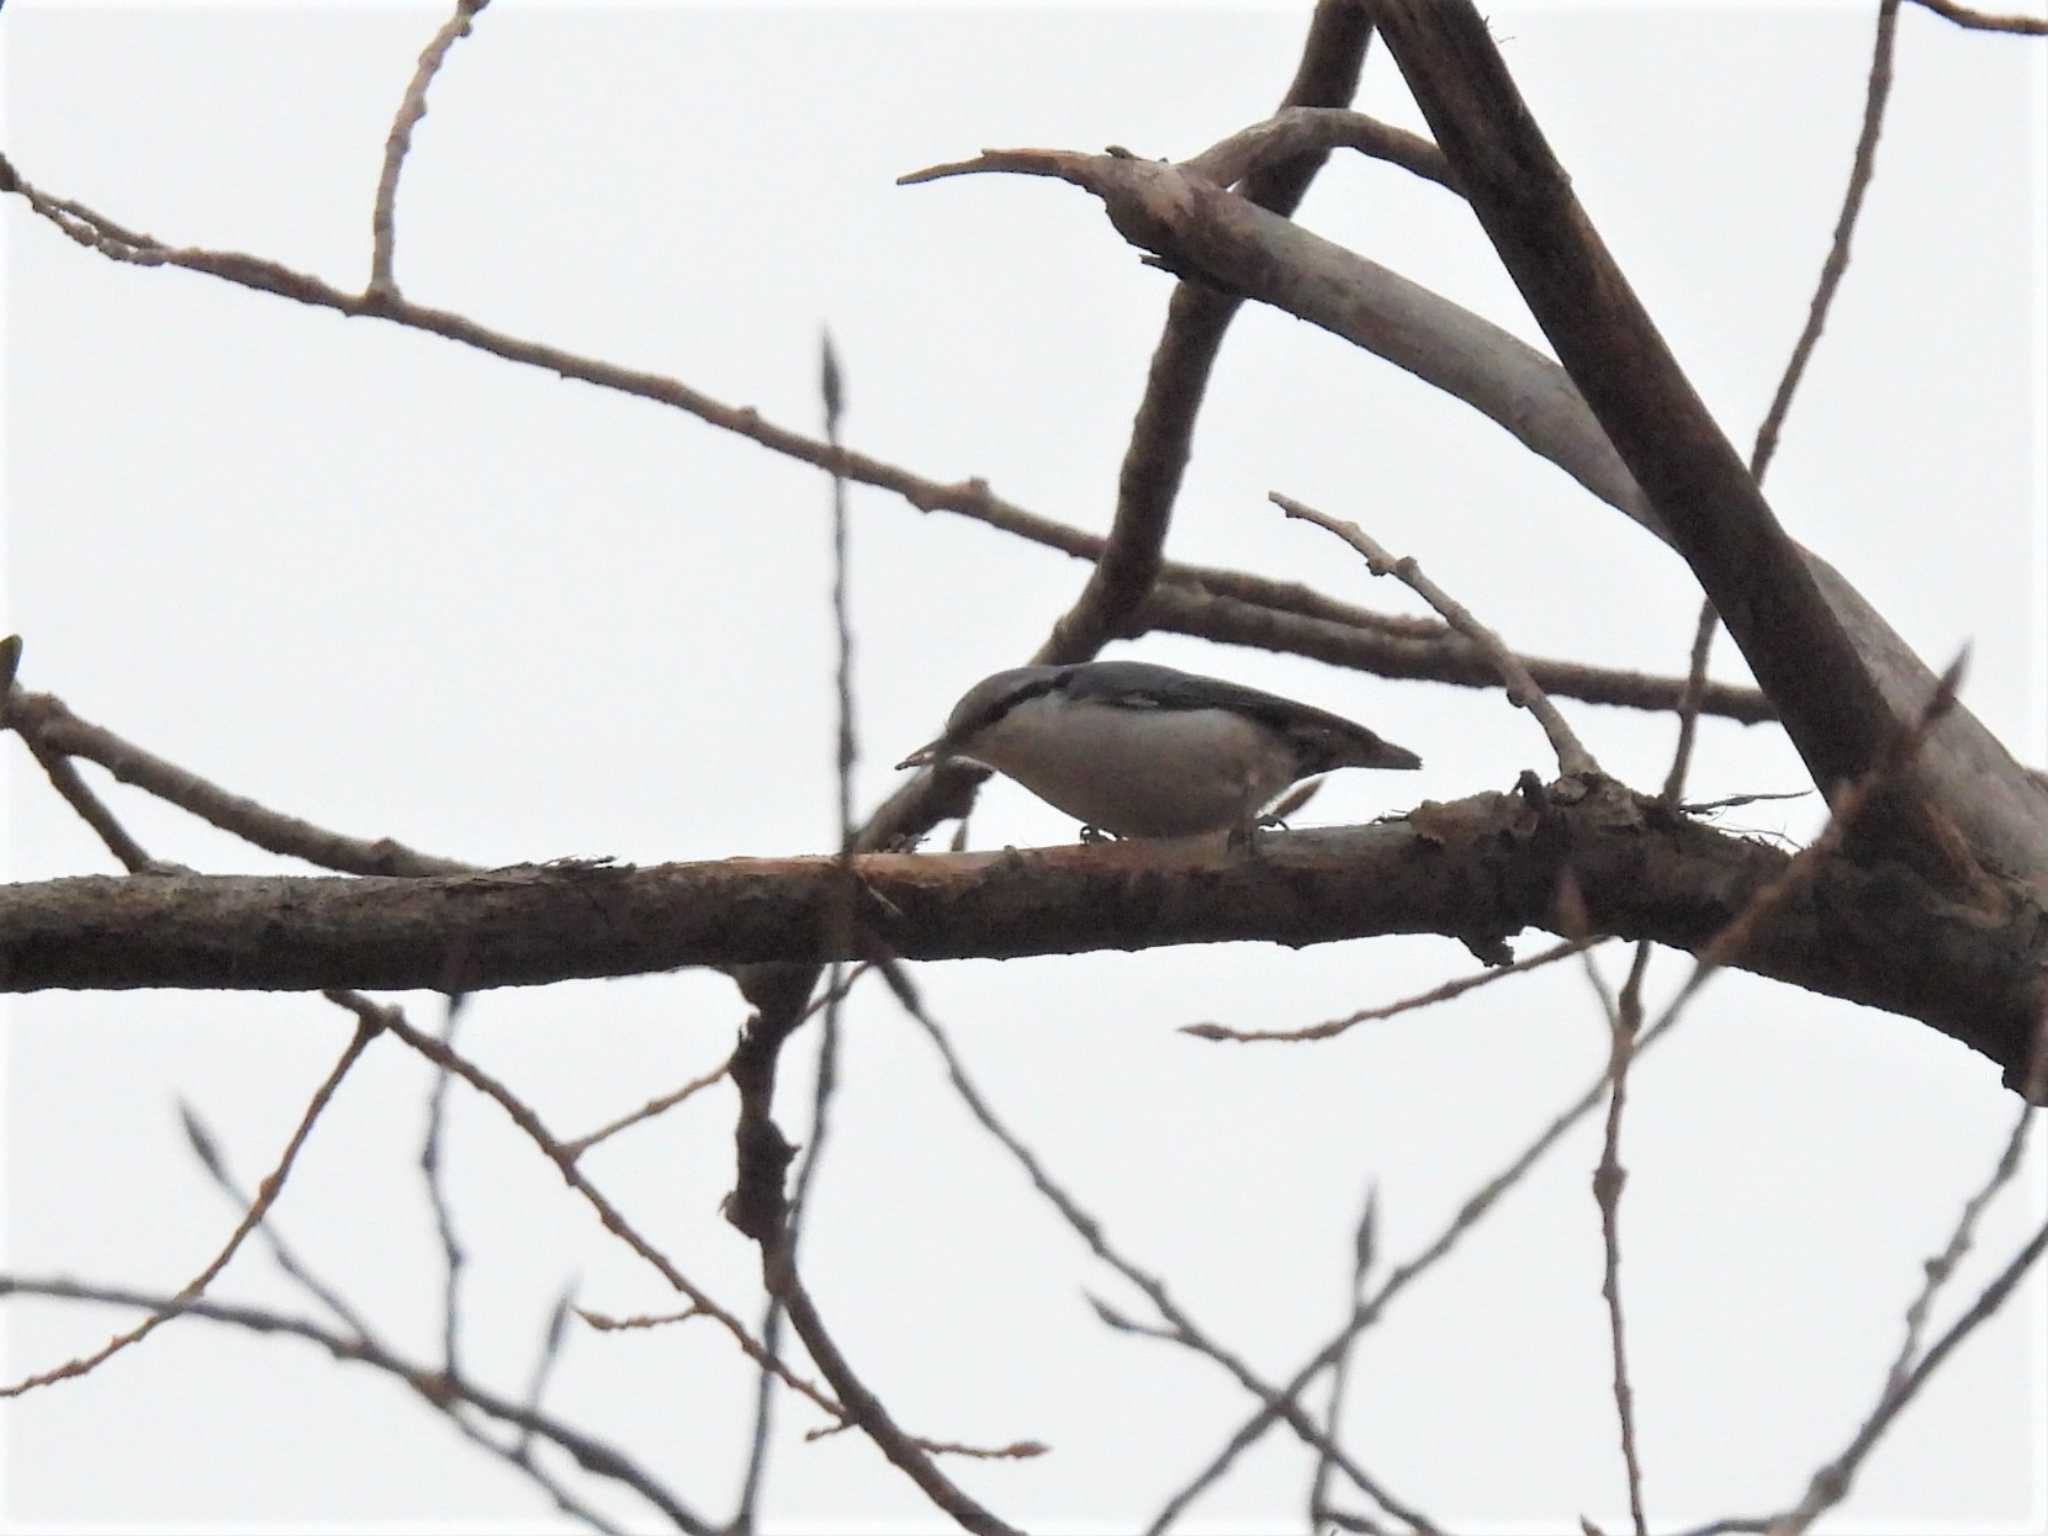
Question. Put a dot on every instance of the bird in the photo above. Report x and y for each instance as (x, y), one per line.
(1137, 750)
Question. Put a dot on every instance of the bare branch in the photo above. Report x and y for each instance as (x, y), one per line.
(552, 1339)
(1573, 760)
(577, 1146)
(1467, 868)
(1363, 1243)
(1690, 702)
(1182, 1328)
(1455, 987)
(864, 1408)
(69, 783)
(207, 1150)
(1793, 639)
(1188, 586)
(1195, 227)
(411, 108)
(1439, 654)
(1736, 938)
(1831, 1483)
(527, 1121)
(1608, 1180)
(1299, 130)
(45, 722)
(1837, 262)
(266, 1196)
(593, 1455)
(1983, 21)
(437, 1195)
(1197, 317)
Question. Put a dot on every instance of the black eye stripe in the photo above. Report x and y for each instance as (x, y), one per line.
(997, 708)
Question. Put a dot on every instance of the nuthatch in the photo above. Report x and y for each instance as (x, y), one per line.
(1145, 751)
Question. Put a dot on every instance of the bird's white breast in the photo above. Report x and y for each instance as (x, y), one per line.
(1135, 770)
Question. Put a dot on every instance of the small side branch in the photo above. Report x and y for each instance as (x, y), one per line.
(1573, 760)
(1455, 987)
(266, 1196)
(411, 108)
(1985, 21)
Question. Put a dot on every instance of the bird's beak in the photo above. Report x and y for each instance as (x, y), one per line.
(924, 756)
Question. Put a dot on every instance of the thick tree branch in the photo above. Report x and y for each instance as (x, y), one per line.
(1489, 865)
(1794, 641)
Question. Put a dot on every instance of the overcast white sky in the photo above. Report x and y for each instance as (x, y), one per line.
(404, 589)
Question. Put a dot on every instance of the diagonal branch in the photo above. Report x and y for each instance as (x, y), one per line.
(1197, 316)
(1831, 704)
(1573, 760)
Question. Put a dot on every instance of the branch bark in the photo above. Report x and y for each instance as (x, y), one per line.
(1794, 641)
(1487, 866)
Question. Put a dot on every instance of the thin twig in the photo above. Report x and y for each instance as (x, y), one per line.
(825, 1081)
(1452, 988)
(1198, 316)
(1690, 701)
(616, 1223)
(1729, 802)
(1837, 262)
(832, 389)
(266, 1196)
(1862, 167)
(66, 780)
(1985, 21)
(863, 1407)
(552, 1339)
(1573, 760)
(1943, 1265)
(437, 1196)
(593, 1455)
(443, 1394)
(1363, 1243)
(1719, 951)
(1608, 1179)
(1183, 1329)
(1831, 1483)
(579, 1145)
(411, 108)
